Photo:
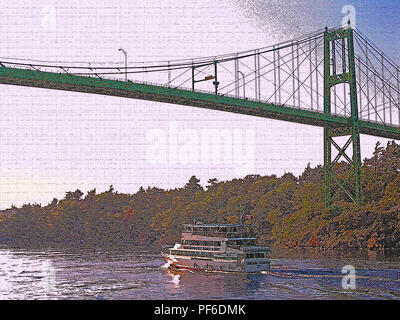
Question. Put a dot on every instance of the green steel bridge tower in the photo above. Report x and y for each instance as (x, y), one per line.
(332, 79)
(335, 79)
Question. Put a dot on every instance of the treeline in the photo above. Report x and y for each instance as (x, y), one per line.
(287, 211)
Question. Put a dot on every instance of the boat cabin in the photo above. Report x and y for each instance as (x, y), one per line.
(220, 230)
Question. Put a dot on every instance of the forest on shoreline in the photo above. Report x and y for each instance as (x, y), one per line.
(287, 211)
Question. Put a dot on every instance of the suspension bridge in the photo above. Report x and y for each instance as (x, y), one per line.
(332, 78)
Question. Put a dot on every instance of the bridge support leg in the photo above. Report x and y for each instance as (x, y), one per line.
(348, 183)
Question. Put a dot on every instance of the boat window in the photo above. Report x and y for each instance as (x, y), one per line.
(242, 242)
(201, 243)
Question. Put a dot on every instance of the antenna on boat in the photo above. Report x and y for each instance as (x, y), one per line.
(241, 223)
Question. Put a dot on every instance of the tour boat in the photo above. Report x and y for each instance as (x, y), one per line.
(218, 248)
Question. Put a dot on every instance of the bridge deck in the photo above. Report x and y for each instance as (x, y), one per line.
(63, 81)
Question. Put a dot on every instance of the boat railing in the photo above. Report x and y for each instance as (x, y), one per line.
(236, 234)
(165, 249)
(254, 248)
(205, 248)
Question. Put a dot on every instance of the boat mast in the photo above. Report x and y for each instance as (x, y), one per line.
(241, 223)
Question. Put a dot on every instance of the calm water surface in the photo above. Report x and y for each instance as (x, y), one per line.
(142, 274)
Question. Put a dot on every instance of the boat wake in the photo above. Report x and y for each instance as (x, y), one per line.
(166, 265)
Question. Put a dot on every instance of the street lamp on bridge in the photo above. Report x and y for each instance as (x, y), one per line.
(126, 63)
(244, 83)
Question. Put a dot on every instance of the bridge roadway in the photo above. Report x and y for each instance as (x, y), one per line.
(159, 93)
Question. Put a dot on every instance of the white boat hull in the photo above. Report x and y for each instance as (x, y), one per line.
(215, 265)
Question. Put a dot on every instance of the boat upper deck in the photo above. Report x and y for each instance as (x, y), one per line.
(220, 230)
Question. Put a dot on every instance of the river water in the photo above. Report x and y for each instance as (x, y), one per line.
(142, 274)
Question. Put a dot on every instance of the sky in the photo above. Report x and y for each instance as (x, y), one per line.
(54, 141)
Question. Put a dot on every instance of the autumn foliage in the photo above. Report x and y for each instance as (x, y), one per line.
(287, 211)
